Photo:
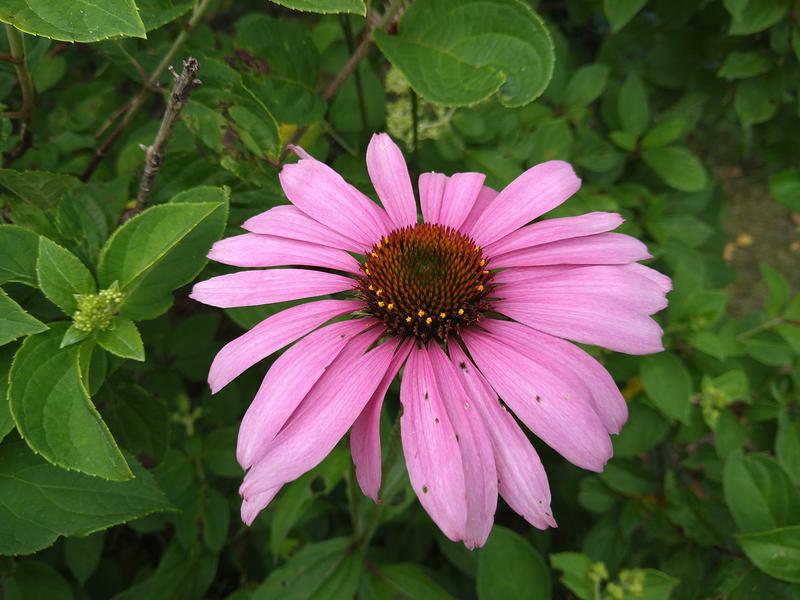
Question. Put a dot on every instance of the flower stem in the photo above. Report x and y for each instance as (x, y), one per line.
(351, 46)
(17, 47)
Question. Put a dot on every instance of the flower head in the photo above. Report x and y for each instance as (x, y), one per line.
(475, 303)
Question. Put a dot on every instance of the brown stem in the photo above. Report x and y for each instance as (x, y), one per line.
(150, 84)
(154, 154)
(348, 68)
(17, 48)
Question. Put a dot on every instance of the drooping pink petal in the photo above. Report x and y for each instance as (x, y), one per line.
(324, 416)
(290, 222)
(605, 287)
(253, 505)
(270, 335)
(484, 200)
(522, 480)
(542, 400)
(459, 197)
(389, 174)
(365, 435)
(477, 455)
(252, 288)
(256, 250)
(602, 324)
(606, 398)
(537, 191)
(600, 249)
(431, 191)
(287, 382)
(321, 193)
(553, 230)
(433, 458)
(661, 280)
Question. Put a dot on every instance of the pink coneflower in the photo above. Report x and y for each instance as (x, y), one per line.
(474, 302)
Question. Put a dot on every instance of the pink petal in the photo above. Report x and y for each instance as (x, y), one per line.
(459, 197)
(270, 335)
(327, 412)
(522, 480)
(600, 249)
(253, 288)
(323, 195)
(389, 174)
(603, 287)
(553, 230)
(477, 456)
(287, 382)
(537, 191)
(661, 280)
(252, 506)
(431, 191)
(601, 324)
(290, 222)
(605, 397)
(542, 400)
(432, 454)
(484, 200)
(365, 435)
(255, 250)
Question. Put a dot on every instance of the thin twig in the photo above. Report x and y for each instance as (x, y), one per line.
(17, 47)
(154, 154)
(359, 53)
(351, 46)
(150, 84)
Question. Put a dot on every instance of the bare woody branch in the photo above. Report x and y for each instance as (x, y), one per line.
(154, 154)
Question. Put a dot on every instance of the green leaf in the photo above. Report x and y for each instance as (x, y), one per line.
(787, 447)
(139, 420)
(461, 53)
(757, 99)
(585, 86)
(122, 339)
(40, 502)
(18, 250)
(403, 582)
(776, 552)
(74, 20)
(759, 493)
(575, 569)
(62, 276)
(620, 12)
(677, 167)
(777, 290)
(83, 554)
(633, 105)
(668, 384)
(326, 6)
(743, 65)
(663, 133)
(769, 348)
(53, 412)
(784, 187)
(157, 251)
(735, 7)
(645, 429)
(509, 567)
(15, 322)
(325, 570)
(6, 420)
(550, 141)
(155, 13)
(757, 15)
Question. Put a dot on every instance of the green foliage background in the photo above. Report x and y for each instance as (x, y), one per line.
(117, 470)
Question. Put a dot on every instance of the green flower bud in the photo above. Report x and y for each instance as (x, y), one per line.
(97, 311)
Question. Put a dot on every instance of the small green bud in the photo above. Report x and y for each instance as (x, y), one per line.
(598, 572)
(615, 591)
(97, 311)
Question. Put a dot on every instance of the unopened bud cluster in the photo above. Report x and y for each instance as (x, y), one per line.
(96, 311)
(432, 120)
(629, 585)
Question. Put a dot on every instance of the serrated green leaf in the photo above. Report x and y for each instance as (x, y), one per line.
(677, 167)
(18, 250)
(620, 12)
(357, 7)
(157, 251)
(6, 420)
(668, 384)
(40, 502)
(53, 412)
(122, 339)
(775, 552)
(633, 105)
(15, 322)
(62, 276)
(585, 86)
(509, 567)
(74, 20)
(458, 54)
(759, 493)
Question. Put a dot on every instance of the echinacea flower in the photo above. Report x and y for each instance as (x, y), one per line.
(475, 304)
